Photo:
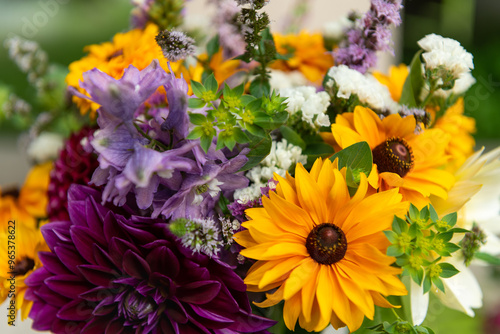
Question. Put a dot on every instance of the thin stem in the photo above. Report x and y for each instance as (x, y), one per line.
(396, 314)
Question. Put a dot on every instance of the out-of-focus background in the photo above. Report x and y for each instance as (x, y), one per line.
(64, 27)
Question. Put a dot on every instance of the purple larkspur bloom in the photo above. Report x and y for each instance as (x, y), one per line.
(110, 272)
(370, 34)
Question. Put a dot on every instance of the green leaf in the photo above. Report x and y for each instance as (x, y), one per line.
(220, 142)
(413, 212)
(427, 284)
(195, 103)
(240, 136)
(259, 149)
(292, 137)
(211, 84)
(487, 258)
(458, 230)
(394, 250)
(438, 283)
(213, 46)
(230, 142)
(254, 105)
(445, 236)
(357, 156)
(410, 96)
(392, 236)
(414, 230)
(399, 225)
(318, 150)
(433, 214)
(260, 88)
(205, 142)
(256, 130)
(451, 219)
(196, 133)
(246, 99)
(417, 275)
(198, 88)
(197, 119)
(451, 247)
(448, 270)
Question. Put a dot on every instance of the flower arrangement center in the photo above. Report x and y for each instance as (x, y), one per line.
(326, 243)
(393, 155)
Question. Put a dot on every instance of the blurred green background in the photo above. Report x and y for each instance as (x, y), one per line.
(72, 24)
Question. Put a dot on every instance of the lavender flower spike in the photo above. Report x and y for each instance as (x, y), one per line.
(370, 34)
(109, 273)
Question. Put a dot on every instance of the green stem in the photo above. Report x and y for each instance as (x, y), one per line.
(396, 314)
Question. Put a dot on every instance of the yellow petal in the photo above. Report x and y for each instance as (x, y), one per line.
(274, 251)
(309, 195)
(291, 311)
(299, 277)
(279, 269)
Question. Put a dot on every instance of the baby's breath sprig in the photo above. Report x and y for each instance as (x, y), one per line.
(421, 243)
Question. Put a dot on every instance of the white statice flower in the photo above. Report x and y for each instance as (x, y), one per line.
(345, 82)
(45, 147)
(335, 30)
(445, 53)
(280, 79)
(475, 197)
(462, 85)
(280, 159)
(311, 103)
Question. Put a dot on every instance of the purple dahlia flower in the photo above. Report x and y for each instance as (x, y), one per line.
(119, 273)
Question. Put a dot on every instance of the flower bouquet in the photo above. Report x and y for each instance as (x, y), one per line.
(246, 181)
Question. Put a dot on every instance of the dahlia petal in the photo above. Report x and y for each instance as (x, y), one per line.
(76, 310)
(162, 259)
(43, 317)
(82, 237)
(96, 294)
(198, 292)
(69, 257)
(55, 233)
(37, 277)
(52, 263)
(67, 285)
(299, 277)
(50, 297)
(102, 258)
(135, 266)
(96, 325)
(117, 248)
(250, 323)
(114, 326)
(211, 319)
(98, 275)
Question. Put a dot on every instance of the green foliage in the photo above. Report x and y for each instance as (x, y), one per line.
(420, 242)
(235, 119)
(410, 96)
(400, 327)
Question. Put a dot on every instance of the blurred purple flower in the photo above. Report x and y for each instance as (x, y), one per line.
(115, 273)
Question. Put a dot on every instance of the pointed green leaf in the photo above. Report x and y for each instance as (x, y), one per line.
(394, 250)
(487, 258)
(448, 270)
(259, 149)
(195, 103)
(410, 96)
(392, 236)
(357, 156)
(213, 46)
(427, 284)
(198, 88)
(205, 142)
(197, 119)
(433, 214)
(413, 212)
(196, 133)
(451, 219)
(211, 84)
(438, 283)
(292, 137)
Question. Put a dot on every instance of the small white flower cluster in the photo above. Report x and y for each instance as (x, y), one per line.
(229, 228)
(445, 53)
(312, 104)
(280, 79)
(369, 91)
(45, 147)
(336, 30)
(28, 56)
(282, 156)
(202, 235)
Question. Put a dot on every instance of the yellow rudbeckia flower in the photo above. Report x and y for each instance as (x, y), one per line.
(394, 81)
(323, 249)
(412, 162)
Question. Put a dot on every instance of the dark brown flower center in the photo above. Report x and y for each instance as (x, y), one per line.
(394, 155)
(326, 243)
(13, 192)
(23, 266)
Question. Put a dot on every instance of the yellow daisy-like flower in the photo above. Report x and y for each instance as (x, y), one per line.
(19, 247)
(461, 128)
(20, 238)
(136, 47)
(394, 81)
(323, 249)
(309, 55)
(413, 162)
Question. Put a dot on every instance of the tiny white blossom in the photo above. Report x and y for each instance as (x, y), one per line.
(45, 147)
(369, 91)
(312, 104)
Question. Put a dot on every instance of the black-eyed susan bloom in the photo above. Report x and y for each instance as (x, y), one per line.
(412, 162)
(322, 249)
